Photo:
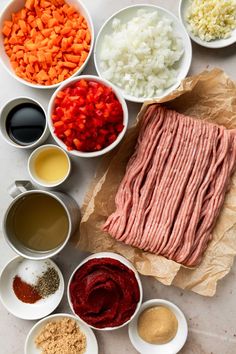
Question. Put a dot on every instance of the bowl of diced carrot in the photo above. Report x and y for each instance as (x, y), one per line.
(87, 116)
(45, 42)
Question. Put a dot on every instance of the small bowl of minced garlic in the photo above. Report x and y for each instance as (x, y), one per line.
(159, 327)
(209, 23)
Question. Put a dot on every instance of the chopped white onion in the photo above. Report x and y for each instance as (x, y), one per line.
(141, 56)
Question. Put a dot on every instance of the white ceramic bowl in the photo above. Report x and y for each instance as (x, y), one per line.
(118, 95)
(7, 107)
(125, 15)
(124, 261)
(23, 310)
(217, 43)
(16, 5)
(172, 347)
(30, 347)
(31, 168)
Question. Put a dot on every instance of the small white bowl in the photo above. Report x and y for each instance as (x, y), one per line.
(23, 310)
(119, 97)
(172, 347)
(217, 43)
(16, 5)
(5, 110)
(128, 13)
(30, 347)
(31, 168)
(124, 261)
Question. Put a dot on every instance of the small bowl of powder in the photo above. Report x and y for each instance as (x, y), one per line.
(62, 331)
(159, 327)
(31, 289)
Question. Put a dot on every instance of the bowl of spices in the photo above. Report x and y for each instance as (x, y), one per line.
(105, 291)
(49, 165)
(31, 289)
(159, 327)
(210, 23)
(23, 123)
(62, 331)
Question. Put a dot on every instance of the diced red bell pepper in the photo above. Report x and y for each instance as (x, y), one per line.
(87, 116)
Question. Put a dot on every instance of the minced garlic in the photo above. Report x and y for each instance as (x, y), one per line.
(212, 19)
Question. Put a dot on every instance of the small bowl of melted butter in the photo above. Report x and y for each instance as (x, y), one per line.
(159, 327)
(49, 166)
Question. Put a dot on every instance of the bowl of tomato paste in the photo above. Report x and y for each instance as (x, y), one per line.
(105, 291)
(87, 116)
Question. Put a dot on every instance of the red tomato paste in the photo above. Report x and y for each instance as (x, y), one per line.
(104, 292)
(87, 116)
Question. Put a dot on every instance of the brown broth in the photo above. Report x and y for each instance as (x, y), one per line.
(39, 222)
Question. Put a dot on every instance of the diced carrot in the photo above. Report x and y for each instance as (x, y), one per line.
(42, 75)
(68, 64)
(32, 59)
(14, 64)
(52, 72)
(45, 18)
(29, 4)
(77, 48)
(73, 58)
(6, 31)
(31, 46)
(46, 32)
(65, 30)
(41, 57)
(46, 41)
(23, 25)
(39, 24)
(52, 22)
(88, 37)
(20, 54)
(23, 14)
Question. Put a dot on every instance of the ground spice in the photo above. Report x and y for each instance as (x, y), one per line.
(62, 336)
(25, 292)
(48, 283)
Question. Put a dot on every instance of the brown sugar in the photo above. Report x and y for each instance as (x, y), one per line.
(61, 337)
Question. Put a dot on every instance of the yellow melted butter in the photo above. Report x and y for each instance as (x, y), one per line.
(51, 165)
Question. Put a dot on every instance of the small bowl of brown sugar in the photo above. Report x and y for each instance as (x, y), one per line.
(62, 332)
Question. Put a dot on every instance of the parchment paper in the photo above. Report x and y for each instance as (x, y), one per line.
(211, 96)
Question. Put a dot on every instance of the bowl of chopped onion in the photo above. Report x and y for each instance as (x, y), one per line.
(144, 51)
(210, 23)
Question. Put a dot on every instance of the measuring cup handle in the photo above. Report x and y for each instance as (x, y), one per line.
(19, 187)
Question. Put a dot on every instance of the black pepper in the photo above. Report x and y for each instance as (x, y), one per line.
(48, 283)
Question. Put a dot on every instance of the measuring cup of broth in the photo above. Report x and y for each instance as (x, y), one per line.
(38, 224)
(23, 123)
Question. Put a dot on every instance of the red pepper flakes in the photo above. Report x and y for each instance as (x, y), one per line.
(87, 116)
(25, 292)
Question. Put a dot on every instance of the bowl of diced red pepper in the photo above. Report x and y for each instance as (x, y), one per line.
(87, 116)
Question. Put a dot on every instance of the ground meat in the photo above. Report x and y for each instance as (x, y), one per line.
(174, 186)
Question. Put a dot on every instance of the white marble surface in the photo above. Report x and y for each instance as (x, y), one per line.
(212, 321)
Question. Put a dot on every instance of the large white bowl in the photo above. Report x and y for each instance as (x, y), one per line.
(16, 5)
(124, 261)
(217, 43)
(172, 347)
(30, 347)
(127, 14)
(118, 95)
(23, 310)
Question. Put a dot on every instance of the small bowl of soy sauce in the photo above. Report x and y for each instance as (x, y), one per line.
(23, 123)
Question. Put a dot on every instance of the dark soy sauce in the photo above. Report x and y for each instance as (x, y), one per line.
(25, 123)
